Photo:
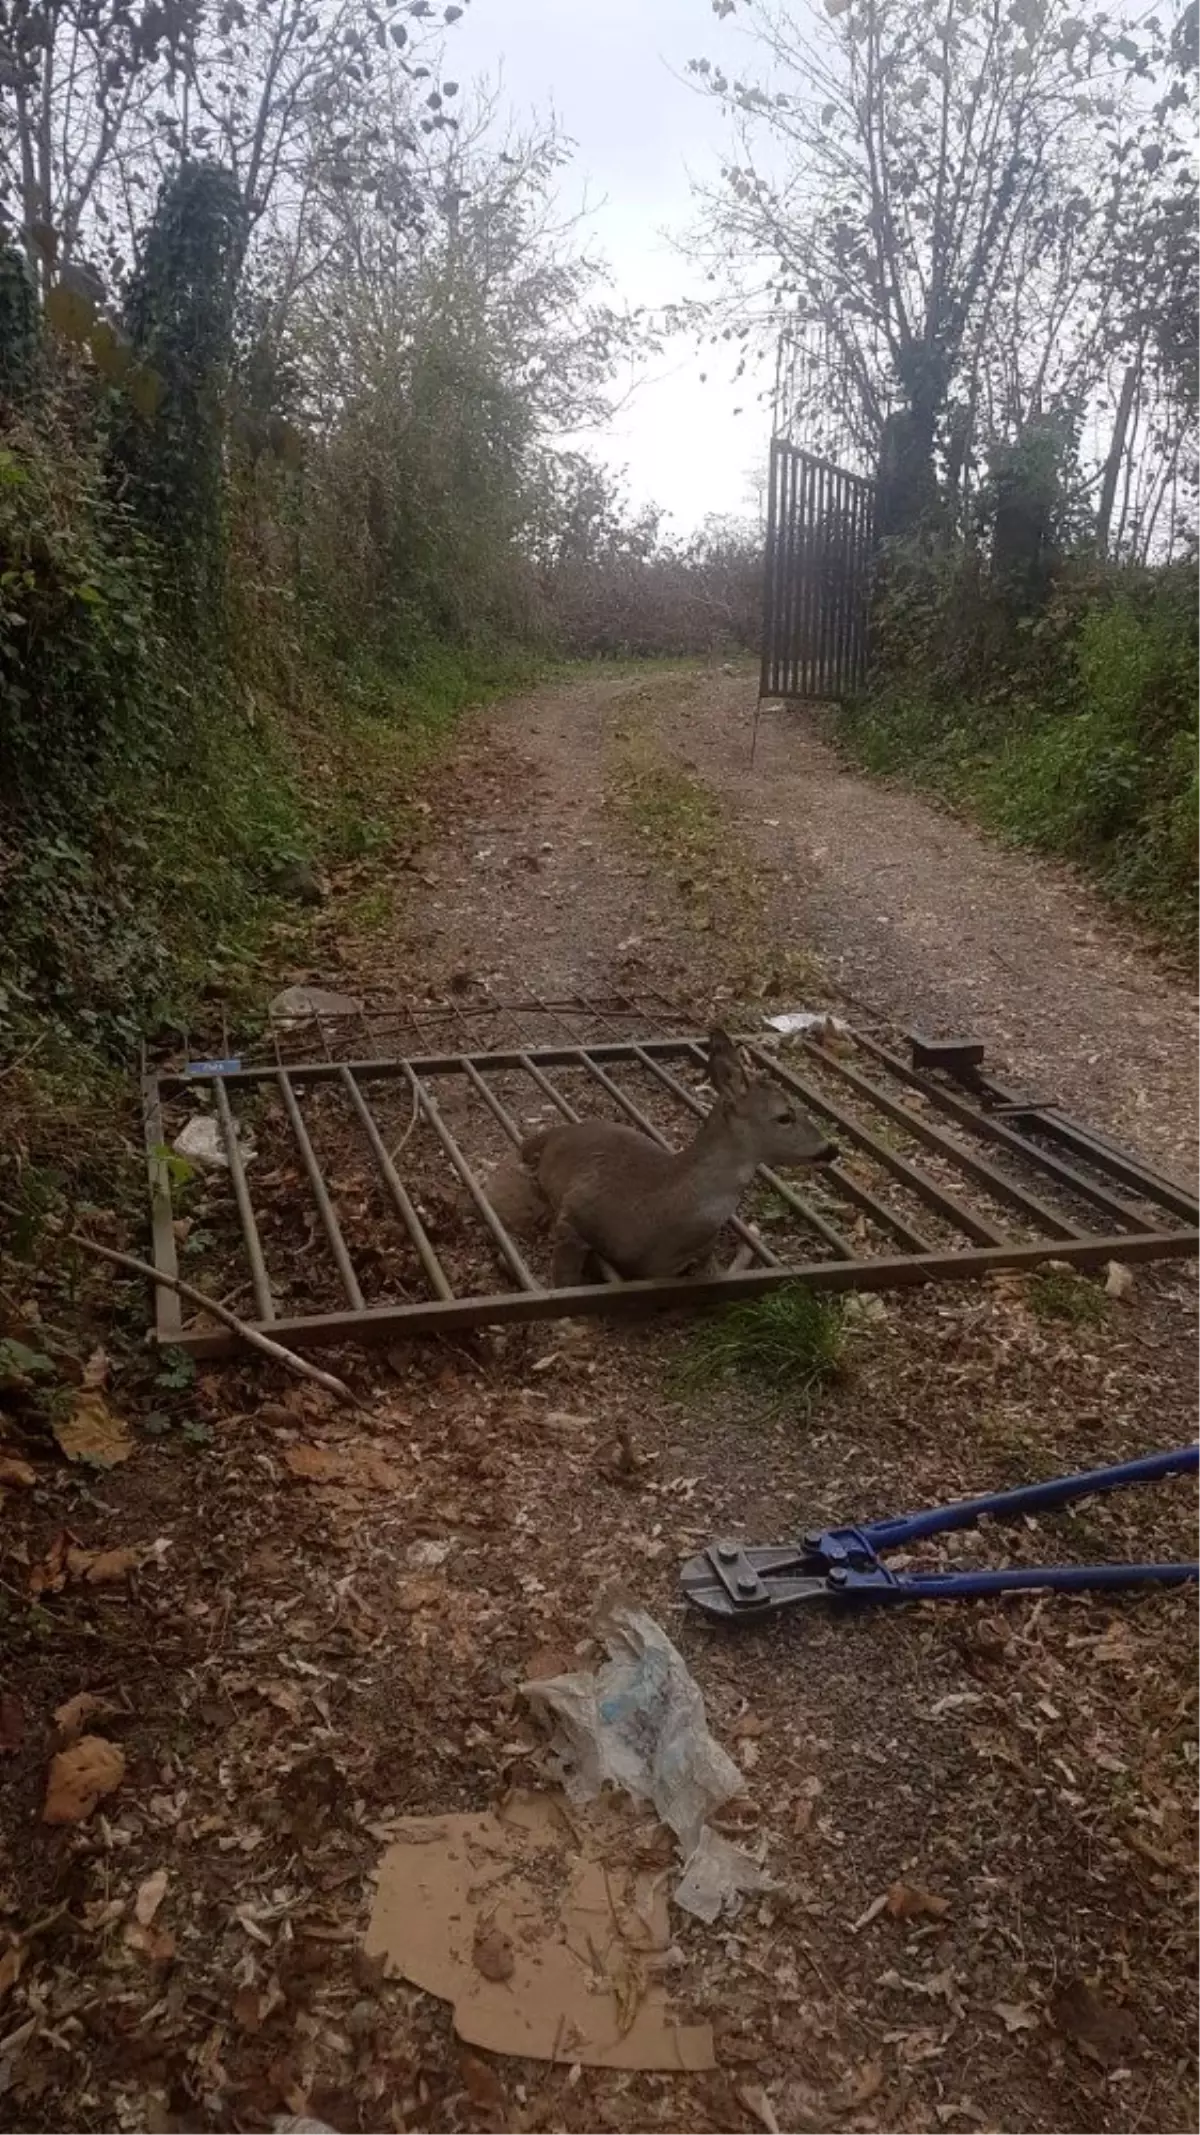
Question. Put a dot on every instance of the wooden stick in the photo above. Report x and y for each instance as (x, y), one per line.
(274, 1350)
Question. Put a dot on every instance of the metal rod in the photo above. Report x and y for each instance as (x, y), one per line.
(241, 1193)
(325, 1208)
(787, 1193)
(992, 1130)
(740, 1229)
(544, 1084)
(391, 1178)
(487, 1214)
(168, 1312)
(380, 1322)
(1092, 1144)
(517, 1134)
(947, 1205)
(984, 1173)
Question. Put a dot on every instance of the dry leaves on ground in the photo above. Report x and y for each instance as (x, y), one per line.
(81, 1776)
(91, 1431)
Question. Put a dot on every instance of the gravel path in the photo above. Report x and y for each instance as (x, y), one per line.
(920, 917)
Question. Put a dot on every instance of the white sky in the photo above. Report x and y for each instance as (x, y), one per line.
(610, 70)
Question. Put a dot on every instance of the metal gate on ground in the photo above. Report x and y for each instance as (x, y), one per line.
(356, 1199)
(820, 542)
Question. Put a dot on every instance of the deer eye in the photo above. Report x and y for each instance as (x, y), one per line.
(785, 1117)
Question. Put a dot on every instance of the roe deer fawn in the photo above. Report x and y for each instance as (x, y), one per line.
(615, 1194)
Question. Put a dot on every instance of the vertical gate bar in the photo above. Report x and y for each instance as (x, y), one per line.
(858, 591)
(842, 566)
(829, 583)
(547, 1088)
(834, 569)
(517, 1135)
(168, 1309)
(800, 572)
(505, 1246)
(496, 1106)
(766, 676)
(404, 1207)
(741, 1230)
(782, 538)
(806, 586)
(994, 1130)
(796, 1202)
(870, 502)
(245, 1209)
(947, 1205)
(847, 587)
(786, 568)
(777, 573)
(795, 592)
(827, 588)
(819, 575)
(325, 1208)
(997, 1183)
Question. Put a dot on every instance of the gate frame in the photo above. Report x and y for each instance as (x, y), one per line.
(814, 648)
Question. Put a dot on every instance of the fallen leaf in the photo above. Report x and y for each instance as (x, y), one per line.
(247, 2008)
(1119, 1280)
(858, 2087)
(150, 1896)
(10, 1968)
(748, 1727)
(12, 1723)
(102, 1567)
(907, 1901)
(1016, 2016)
(17, 1474)
(79, 1777)
(50, 1576)
(359, 1466)
(71, 1718)
(484, 2088)
(1101, 2029)
(156, 1943)
(756, 2101)
(413, 1594)
(493, 1953)
(94, 1432)
(872, 1912)
(96, 1370)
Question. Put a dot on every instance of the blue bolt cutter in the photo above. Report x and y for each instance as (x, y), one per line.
(845, 1563)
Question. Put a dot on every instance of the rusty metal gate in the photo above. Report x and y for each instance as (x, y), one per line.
(820, 542)
(357, 1199)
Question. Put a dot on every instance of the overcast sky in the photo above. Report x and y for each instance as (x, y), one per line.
(610, 71)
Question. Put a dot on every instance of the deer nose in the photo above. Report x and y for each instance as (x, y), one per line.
(828, 1153)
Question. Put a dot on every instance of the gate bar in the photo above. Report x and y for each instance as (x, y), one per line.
(990, 1129)
(656, 1294)
(939, 1198)
(395, 1186)
(333, 1232)
(486, 1212)
(241, 1194)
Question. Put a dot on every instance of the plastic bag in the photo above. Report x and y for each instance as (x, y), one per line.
(639, 1723)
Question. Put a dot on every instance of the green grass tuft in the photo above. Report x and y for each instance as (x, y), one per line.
(791, 1341)
(1061, 1294)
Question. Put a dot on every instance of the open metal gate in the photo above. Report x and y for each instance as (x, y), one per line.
(820, 540)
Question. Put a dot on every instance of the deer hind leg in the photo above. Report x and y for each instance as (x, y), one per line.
(571, 1254)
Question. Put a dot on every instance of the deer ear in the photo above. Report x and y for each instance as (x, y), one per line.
(726, 1073)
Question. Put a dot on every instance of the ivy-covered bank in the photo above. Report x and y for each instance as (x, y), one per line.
(1069, 726)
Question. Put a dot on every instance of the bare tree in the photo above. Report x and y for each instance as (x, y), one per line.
(939, 199)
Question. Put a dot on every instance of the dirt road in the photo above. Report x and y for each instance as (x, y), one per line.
(343, 1606)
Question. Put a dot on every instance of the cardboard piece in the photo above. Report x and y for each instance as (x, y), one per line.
(584, 1926)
